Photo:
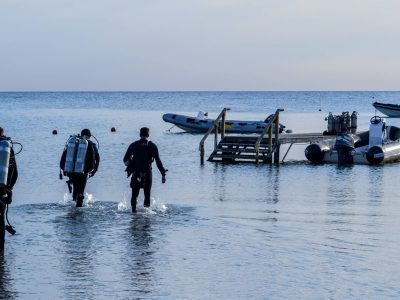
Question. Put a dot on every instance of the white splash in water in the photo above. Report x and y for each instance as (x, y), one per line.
(123, 205)
(157, 206)
(89, 200)
(66, 199)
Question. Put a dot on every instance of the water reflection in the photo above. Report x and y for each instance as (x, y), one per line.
(219, 171)
(341, 185)
(6, 282)
(273, 187)
(375, 184)
(139, 260)
(76, 234)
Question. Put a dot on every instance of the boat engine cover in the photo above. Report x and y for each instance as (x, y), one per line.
(344, 145)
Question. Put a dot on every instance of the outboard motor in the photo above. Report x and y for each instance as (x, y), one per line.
(76, 154)
(353, 122)
(5, 152)
(344, 145)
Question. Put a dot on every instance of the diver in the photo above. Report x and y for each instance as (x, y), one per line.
(138, 159)
(80, 160)
(8, 178)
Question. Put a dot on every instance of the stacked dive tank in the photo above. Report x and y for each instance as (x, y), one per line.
(341, 123)
(380, 144)
(76, 153)
(5, 152)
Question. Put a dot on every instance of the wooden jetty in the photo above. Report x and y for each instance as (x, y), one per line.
(264, 148)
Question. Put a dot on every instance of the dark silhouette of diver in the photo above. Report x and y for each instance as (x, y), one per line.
(6, 193)
(78, 180)
(138, 159)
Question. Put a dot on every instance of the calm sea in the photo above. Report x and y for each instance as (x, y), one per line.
(215, 231)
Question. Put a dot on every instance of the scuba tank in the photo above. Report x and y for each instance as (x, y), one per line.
(343, 122)
(337, 124)
(353, 122)
(5, 151)
(76, 154)
(331, 123)
(347, 120)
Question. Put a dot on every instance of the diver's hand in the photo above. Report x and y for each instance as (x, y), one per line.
(163, 180)
(91, 174)
(7, 196)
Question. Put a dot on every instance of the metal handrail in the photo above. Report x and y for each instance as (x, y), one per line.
(268, 128)
(214, 126)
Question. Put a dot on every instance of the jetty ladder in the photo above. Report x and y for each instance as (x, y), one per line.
(241, 148)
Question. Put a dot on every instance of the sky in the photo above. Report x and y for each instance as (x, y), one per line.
(196, 45)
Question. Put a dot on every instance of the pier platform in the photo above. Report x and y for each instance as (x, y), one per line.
(242, 148)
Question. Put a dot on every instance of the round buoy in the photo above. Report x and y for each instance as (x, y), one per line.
(113, 129)
(55, 131)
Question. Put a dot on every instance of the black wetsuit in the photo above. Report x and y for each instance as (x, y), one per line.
(138, 159)
(78, 181)
(6, 194)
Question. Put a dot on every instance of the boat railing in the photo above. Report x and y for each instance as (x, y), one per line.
(268, 129)
(214, 127)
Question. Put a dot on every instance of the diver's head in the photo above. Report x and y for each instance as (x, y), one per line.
(86, 133)
(144, 132)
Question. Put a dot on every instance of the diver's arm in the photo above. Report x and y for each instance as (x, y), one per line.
(62, 160)
(96, 158)
(158, 160)
(128, 155)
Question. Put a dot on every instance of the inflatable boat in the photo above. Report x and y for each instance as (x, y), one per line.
(391, 110)
(201, 124)
(379, 145)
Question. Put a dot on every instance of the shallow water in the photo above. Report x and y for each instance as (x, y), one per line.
(217, 231)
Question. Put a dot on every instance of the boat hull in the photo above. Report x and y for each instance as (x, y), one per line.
(376, 155)
(198, 125)
(390, 110)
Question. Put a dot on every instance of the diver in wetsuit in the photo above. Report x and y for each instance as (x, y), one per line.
(6, 191)
(78, 180)
(138, 159)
